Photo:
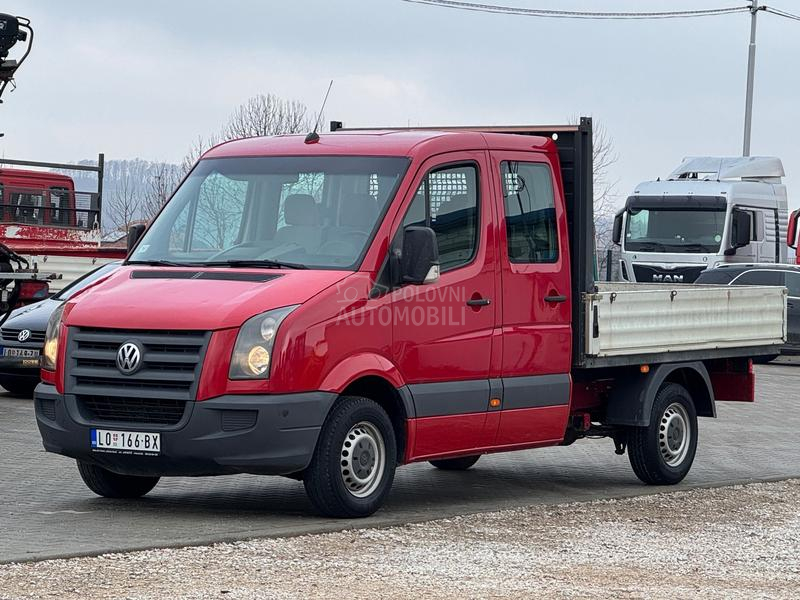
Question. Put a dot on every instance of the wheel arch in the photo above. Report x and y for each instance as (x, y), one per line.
(630, 402)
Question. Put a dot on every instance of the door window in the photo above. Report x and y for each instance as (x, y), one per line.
(530, 212)
(793, 283)
(760, 278)
(447, 202)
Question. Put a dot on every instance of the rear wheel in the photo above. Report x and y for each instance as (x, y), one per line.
(19, 386)
(462, 463)
(662, 453)
(353, 466)
(113, 485)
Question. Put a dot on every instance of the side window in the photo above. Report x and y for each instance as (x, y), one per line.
(219, 212)
(760, 278)
(530, 212)
(447, 202)
(793, 283)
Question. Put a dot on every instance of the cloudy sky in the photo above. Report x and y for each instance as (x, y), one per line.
(145, 78)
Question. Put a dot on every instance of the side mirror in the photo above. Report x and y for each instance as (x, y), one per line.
(134, 233)
(791, 234)
(741, 230)
(419, 261)
(616, 233)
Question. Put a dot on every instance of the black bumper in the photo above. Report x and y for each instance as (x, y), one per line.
(264, 434)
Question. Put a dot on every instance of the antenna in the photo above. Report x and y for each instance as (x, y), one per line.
(313, 137)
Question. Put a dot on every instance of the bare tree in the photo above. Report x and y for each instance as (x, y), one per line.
(124, 204)
(605, 194)
(604, 156)
(268, 115)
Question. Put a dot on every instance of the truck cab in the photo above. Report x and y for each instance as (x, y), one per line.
(709, 211)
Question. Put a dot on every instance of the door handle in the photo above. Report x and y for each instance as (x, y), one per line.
(479, 302)
(555, 298)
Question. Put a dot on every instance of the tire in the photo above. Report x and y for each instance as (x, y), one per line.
(662, 453)
(339, 482)
(113, 485)
(462, 463)
(19, 386)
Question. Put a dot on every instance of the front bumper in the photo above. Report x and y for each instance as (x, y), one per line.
(264, 434)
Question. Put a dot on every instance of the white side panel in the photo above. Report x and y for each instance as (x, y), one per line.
(641, 319)
(69, 267)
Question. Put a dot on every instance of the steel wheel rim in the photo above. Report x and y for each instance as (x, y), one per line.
(362, 459)
(674, 434)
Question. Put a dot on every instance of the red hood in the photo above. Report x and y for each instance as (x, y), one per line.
(122, 302)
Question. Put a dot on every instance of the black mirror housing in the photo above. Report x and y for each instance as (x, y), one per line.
(134, 233)
(419, 259)
(616, 233)
(741, 228)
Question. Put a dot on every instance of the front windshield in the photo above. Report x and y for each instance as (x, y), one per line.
(306, 212)
(674, 230)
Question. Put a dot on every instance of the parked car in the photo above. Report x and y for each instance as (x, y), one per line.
(22, 335)
(783, 275)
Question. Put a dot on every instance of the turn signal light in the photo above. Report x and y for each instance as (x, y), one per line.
(494, 402)
(644, 369)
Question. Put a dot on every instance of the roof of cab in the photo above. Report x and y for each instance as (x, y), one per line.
(379, 143)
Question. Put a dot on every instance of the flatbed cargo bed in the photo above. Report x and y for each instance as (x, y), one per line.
(634, 323)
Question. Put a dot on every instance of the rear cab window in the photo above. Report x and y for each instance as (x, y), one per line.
(529, 212)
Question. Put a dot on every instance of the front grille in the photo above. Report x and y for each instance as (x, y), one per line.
(155, 393)
(12, 335)
(131, 410)
(653, 274)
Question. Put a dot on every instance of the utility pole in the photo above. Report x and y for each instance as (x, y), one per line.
(751, 68)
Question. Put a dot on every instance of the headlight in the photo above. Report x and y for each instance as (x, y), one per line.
(252, 354)
(50, 352)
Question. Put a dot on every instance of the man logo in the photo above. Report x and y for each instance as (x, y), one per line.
(668, 278)
(129, 358)
(24, 335)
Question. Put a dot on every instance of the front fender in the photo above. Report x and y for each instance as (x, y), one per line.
(361, 365)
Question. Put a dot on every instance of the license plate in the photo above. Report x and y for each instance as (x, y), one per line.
(126, 441)
(21, 352)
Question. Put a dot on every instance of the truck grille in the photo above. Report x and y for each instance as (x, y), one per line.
(156, 392)
(12, 335)
(131, 410)
(653, 274)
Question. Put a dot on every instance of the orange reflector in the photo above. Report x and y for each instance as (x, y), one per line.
(494, 402)
(644, 368)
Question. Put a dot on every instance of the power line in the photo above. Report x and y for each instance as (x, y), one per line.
(782, 13)
(572, 14)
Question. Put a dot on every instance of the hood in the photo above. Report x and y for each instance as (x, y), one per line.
(137, 297)
(33, 317)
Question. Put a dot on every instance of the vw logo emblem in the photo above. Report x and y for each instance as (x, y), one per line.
(129, 358)
(24, 335)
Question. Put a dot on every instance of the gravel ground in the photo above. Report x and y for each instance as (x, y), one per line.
(731, 542)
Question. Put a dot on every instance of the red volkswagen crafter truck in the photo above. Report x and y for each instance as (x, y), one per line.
(332, 307)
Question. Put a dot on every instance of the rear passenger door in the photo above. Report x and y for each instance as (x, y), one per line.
(443, 331)
(535, 300)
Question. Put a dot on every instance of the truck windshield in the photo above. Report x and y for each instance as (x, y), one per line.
(674, 230)
(294, 212)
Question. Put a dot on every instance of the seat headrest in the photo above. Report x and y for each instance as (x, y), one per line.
(358, 211)
(300, 209)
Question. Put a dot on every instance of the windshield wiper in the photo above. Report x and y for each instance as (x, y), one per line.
(695, 247)
(648, 247)
(266, 263)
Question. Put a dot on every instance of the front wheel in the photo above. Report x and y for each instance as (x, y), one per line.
(113, 485)
(353, 466)
(662, 453)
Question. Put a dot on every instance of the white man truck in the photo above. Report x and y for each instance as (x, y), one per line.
(709, 211)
